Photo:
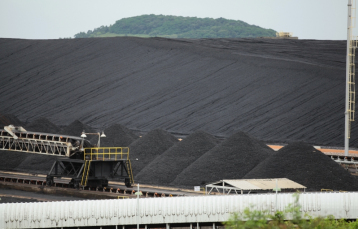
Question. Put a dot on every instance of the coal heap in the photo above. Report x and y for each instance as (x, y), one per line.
(148, 147)
(164, 169)
(279, 90)
(11, 159)
(9, 119)
(118, 136)
(42, 125)
(231, 159)
(36, 163)
(305, 165)
(76, 128)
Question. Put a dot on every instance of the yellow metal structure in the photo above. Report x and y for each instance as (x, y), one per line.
(129, 166)
(85, 173)
(106, 153)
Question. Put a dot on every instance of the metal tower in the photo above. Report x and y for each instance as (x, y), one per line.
(350, 76)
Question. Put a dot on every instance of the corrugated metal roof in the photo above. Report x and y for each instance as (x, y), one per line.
(259, 184)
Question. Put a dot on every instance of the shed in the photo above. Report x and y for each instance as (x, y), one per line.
(242, 186)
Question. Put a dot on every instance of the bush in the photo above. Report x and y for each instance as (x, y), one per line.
(263, 219)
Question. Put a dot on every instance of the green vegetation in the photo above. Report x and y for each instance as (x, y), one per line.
(264, 220)
(178, 27)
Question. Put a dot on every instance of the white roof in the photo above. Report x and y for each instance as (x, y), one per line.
(258, 184)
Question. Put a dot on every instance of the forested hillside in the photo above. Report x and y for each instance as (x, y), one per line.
(178, 27)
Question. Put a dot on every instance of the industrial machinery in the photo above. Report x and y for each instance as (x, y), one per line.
(77, 158)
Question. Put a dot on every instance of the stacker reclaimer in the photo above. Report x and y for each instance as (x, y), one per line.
(77, 159)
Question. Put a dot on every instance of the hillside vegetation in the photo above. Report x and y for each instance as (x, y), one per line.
(178, 27)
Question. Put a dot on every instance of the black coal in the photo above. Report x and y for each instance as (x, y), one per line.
(165, 168)
(147, 148)
(274, 89)
(307, 166)
(42, 125)
(117, 136)
(231, 159)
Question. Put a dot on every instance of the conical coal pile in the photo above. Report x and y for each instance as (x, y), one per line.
(147, 148)
(42, 125)
(117, 136)
(165, 168)
(11, 159)
(36, 163)
(9, 119)
(307, 166)
(231, 159)
(76, 128)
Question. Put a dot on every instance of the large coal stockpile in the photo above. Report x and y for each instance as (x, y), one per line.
(305, 165)
(76, 128)
(165, 168)
(275, 89)
(231, 159)
(11, 159)
(9, 119)
(42, 125)
(28, 162)
(147, 148)
(118, 136)
(36, 163)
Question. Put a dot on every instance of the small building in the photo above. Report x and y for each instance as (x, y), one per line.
(247, 186)
(285, 35)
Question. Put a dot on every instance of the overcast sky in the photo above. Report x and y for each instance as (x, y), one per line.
(52, 19)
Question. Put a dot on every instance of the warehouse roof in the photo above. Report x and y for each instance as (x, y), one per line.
(255, 184)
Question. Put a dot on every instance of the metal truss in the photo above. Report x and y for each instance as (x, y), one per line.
(35, 146)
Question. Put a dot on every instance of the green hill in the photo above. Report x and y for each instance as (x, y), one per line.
(178, 27)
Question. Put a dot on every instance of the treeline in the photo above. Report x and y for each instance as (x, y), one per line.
(178, 27)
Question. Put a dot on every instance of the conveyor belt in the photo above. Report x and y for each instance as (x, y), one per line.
(18, 139)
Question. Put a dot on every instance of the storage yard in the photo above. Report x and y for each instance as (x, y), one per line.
(277, 91)
(252, 90)
(158, 158)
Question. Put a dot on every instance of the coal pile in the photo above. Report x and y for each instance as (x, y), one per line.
(232, 159)
(279, 90)
(36, 163)
(9, 119)
(76, 128)
(42, 125)
(148, 147)
(11, 159)
(305, 165)
(165, 168)
(118, 136)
